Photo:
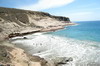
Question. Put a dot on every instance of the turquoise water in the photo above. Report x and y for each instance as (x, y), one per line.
(87, 30)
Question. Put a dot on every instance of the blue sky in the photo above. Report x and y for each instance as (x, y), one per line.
(76, 10)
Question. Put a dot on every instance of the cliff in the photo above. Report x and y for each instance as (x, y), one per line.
(16, 21)
(16, 15)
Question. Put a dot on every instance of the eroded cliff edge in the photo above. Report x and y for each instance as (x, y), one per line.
(16, 21)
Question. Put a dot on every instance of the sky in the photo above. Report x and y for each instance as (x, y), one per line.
(76, 10)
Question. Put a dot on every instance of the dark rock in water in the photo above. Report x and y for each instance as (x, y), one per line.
(69, 59)
(61, 60)
(25, 38)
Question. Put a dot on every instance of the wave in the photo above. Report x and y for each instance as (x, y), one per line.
(50, 46)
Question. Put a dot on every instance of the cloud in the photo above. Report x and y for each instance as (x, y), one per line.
(46, 4)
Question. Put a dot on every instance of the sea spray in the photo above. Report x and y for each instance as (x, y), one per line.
(50, 46)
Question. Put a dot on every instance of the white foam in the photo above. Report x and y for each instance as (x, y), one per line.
(49, 46)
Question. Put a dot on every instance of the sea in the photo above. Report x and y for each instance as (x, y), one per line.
(81, 42)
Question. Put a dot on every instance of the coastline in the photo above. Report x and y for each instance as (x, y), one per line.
(50, 47)
(32, 38)
(34, 62)
(19, 22)
(43, 61)
(48, 29)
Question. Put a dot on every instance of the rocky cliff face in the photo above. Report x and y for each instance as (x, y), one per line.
(23, 21)
(22, 17)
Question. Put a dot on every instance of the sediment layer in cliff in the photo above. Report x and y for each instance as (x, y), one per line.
(16, 21)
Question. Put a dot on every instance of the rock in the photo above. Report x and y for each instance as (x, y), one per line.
(34, 64)
(61, 60)
(25, 38)
(69, 59)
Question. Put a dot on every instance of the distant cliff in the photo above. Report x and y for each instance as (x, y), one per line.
(23, 21)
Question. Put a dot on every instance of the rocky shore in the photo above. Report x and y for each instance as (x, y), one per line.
(16, 22)
(14, 56)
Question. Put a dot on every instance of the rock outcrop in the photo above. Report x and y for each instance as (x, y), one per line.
(14, 21)
(13, 56)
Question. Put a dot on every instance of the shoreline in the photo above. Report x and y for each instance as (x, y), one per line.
(48, 29)
(41, 40)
